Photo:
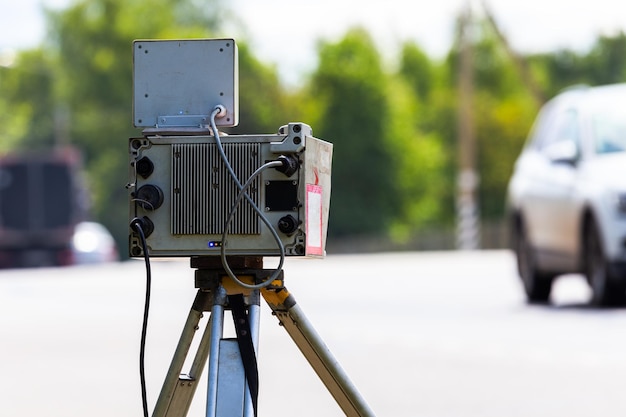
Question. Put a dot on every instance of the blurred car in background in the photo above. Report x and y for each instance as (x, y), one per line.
(92, 243)
(567, 196)
(43, 212)
(41, 202)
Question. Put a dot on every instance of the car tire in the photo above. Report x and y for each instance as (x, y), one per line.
(607, 290)
(537, 285)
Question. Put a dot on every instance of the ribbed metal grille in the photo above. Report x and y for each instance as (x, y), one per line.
(203, 191)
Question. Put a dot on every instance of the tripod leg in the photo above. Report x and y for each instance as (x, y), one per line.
(316, 352)
(254, 316)
(178, 390)
(217, 328)
(228, 392)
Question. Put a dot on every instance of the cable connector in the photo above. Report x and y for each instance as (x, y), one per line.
(220, 111)
(142, 225)
(289, 165)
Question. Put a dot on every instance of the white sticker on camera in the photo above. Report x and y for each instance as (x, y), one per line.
(314, 220)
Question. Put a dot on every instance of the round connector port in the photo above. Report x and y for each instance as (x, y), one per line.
(288, 224)
(135, 251)
(149, 197)
(144, 167)
(146, 225)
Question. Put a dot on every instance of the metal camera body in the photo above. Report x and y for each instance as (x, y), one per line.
(181, 188)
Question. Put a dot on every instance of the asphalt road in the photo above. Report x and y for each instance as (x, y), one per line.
(420, 334)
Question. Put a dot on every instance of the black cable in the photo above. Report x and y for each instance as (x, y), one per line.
(136, 224)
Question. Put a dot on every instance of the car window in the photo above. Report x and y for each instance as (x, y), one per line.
(542, 125)
(609, 130)
(564, 127)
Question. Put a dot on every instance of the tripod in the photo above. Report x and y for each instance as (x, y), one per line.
(232, 386)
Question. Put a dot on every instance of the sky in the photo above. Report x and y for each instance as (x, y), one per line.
(286, 32)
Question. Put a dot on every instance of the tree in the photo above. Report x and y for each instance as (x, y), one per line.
(350, 88)
(562, 69)
(417, 69)
(387, 167)
(28, 109)
(263, 104)
(416, 108)
(606, 62)
(419, 162)
(502, 127)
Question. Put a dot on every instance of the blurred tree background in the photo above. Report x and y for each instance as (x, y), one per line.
(393, 126)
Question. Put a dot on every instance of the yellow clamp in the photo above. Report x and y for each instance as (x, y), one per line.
(275, 296)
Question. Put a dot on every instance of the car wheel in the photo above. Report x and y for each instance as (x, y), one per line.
(606, 289)
(536, 285)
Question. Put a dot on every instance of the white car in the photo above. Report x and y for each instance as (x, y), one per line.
(92, 243)
(567, 195)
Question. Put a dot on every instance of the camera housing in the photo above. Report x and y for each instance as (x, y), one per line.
(180, 187)
(188, 194)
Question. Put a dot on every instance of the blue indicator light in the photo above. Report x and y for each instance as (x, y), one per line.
(215, 244)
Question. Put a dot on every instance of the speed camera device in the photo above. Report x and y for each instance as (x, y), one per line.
(198, 191)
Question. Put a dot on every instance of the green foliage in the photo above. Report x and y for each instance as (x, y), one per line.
(27, 104)
(438, 117)
(417, 69)
(388, 167)
(263, 105)
(419, 161)
(351, 89)
(434, 121)
(502, 126)
(494, 71)
(605, 63)
(562, 68)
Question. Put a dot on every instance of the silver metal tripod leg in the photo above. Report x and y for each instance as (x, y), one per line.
(227, 393)
(178, 389)
(318, 355)
(217, 327)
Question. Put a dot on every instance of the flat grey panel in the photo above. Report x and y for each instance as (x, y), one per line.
(178, 83)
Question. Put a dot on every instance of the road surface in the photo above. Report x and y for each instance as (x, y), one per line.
(438, 334)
